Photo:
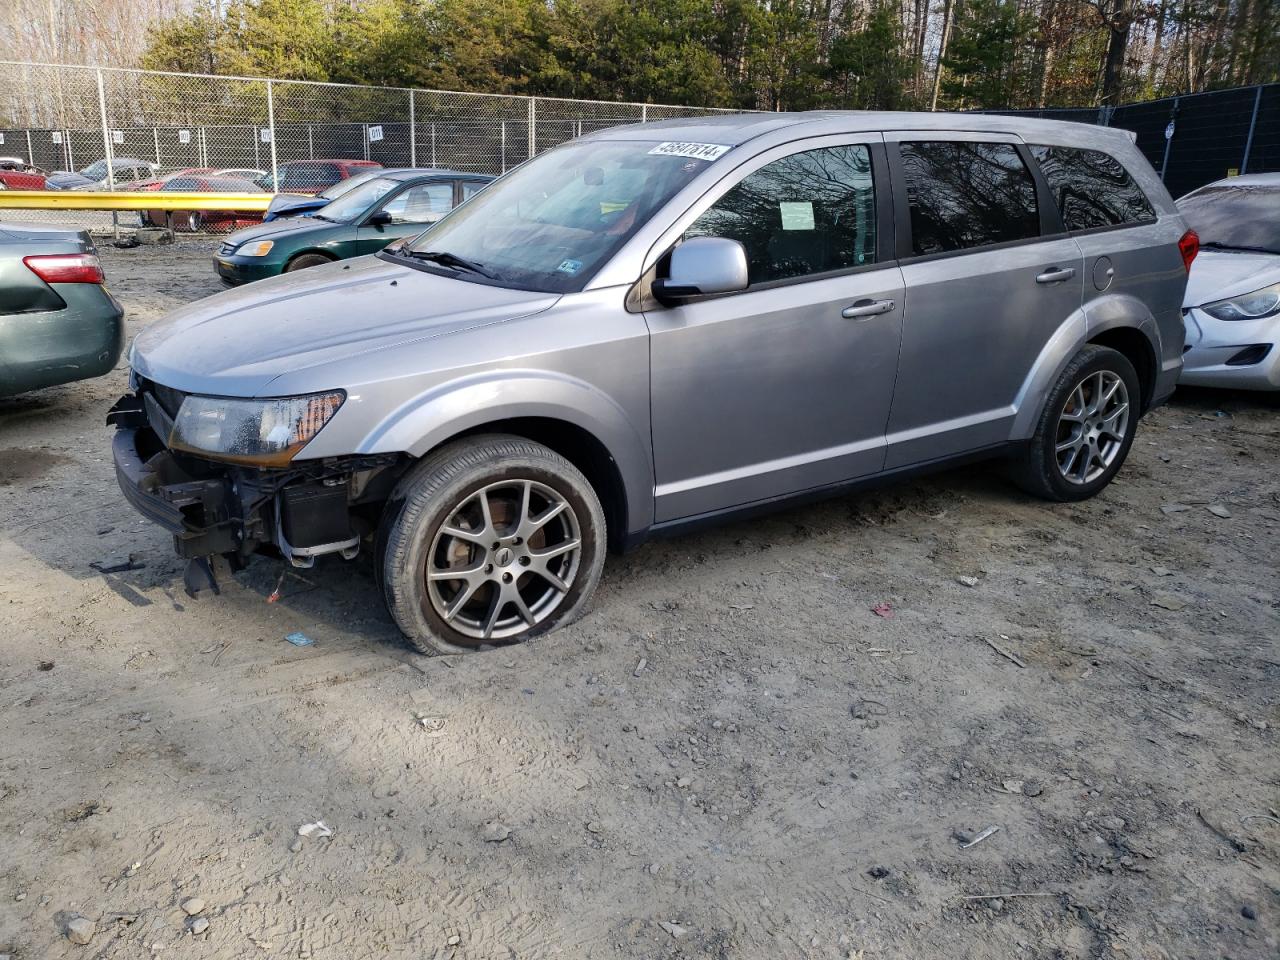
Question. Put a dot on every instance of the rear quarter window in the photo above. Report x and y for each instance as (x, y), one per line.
(1092, 189)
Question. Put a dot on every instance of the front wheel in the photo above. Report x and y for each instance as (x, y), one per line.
(305, 260)
(1085, 430)
(490, 541)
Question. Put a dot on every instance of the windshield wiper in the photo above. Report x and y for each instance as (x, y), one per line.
(446, 259)
(1216, 245)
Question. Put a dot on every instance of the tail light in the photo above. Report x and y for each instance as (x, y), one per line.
(1189, 246)
(66, 268)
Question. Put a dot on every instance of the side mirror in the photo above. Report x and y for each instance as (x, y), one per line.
(703, 266)
(379, 218)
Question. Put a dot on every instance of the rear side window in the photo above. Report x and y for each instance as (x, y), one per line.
(811, 212)
(966, 195)
(1092, 189)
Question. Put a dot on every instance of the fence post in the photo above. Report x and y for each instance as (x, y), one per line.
(1253, 123)
(503, 142)
(413, 133)
(644, 113)
(433, 143)
(271, 125)
(311, 142)
(155, 139)
(31, 157)
(106, 133)
(533, 127)
(1168, 141)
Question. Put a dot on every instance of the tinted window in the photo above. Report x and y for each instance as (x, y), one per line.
(472, 187)
(966, 195)
(808, 213)
(1244, 216)
(1091, 188)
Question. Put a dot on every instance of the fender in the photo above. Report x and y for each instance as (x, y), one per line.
(465, 403)
(1104, 313)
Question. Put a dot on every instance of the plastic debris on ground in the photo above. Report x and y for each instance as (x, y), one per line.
(299, 639)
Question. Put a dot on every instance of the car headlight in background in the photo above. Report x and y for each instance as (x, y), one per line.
(261, 433)
(1249, 306)
(255, 248)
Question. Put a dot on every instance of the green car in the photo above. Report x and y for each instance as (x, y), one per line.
(401, 203)
(58, 323)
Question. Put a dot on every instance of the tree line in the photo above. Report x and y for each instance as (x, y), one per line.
(763, 54)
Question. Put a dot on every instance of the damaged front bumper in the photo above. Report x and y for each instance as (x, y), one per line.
(212, 508)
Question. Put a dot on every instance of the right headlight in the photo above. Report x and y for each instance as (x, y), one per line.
(1248, 306)
(255, 248)
(259, 433)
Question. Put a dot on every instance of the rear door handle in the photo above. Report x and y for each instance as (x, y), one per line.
(866, 308)
(1056, 275)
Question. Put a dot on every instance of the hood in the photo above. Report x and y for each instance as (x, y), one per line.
(1218, 274)
(68, 181)
(285, 203)
(277, 228)
(236, 343)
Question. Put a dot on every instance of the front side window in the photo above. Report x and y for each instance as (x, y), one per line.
(1091, 188)
(809, 213)
(425, 203)
(964, 195)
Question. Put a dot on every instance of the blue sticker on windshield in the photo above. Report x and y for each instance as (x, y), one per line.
(570, 266)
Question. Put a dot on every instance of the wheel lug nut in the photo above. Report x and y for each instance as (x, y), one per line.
(524, 561)
(488, 568)
(496, 544)
(506, 578)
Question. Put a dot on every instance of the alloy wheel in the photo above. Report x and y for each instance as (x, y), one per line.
(1092, 427)
(503, 559)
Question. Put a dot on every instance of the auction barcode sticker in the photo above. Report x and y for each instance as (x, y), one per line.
(698, 151)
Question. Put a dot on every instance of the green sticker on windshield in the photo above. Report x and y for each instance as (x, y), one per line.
(796, 215)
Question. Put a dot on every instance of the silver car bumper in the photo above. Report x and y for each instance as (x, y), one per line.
(1216, 352)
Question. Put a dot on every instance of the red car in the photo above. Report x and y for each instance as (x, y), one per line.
(313, 176)
(17, 174)
(196, 220)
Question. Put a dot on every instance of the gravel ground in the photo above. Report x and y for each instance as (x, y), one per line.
(730, 756)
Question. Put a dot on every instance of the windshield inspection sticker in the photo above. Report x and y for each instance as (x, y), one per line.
(698, 151)
(569, 266)
(796, 215)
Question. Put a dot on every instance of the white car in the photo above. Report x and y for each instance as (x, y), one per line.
(1232, 307)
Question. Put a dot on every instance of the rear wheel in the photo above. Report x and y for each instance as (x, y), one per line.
(490, 541)
(1085, 430)
(195, 222)
(302, 261)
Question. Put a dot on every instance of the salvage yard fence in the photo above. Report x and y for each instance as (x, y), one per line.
(61, 117)
(1194, 139)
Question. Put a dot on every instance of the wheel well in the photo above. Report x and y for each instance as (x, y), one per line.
(309, 253)
(1137, 349)
(581, 449)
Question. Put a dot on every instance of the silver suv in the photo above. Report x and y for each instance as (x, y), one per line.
(659, 324)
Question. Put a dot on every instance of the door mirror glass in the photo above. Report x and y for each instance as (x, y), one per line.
(702, 266)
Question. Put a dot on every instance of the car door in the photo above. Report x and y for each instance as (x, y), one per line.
(990, 276)
(412, 210)
(784, 386)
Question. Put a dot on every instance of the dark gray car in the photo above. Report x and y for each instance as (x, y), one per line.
(58, 323)
(658, 325)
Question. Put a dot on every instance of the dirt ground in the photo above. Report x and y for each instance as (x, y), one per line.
(730, 756)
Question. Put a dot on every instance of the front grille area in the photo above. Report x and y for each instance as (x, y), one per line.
(168, 398)
(226, 249)
(1250, 355)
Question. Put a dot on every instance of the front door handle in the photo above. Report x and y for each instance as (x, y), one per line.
(1056, 275)
(866, 308)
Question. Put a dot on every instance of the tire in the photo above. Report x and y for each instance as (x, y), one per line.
(1093, 447)
(518, 558)
(304, 260)
(195, 222)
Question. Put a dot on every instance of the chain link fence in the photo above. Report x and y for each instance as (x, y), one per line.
(65, 118)
(1194, 139)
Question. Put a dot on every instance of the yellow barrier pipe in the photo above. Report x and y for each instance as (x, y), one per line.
(120, 200)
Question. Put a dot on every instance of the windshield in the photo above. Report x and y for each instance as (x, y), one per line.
(95, 171)
(347, 185)
(1245, 216)
(552, 222)
(354, 203)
